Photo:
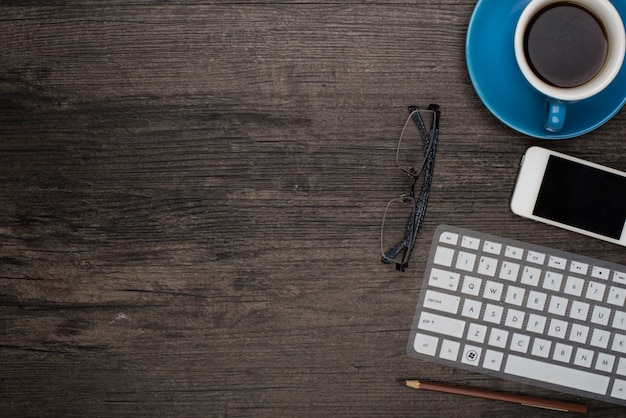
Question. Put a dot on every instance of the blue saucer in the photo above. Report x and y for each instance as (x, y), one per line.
(504, 90)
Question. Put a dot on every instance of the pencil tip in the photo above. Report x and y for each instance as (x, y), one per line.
(415, 384)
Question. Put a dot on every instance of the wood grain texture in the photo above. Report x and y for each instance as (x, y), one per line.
(191, 202)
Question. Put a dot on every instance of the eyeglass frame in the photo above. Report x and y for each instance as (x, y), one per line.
(414, 223)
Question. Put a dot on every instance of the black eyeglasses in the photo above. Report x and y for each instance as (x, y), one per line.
(415, 155)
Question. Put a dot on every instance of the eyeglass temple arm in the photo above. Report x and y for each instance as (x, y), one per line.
(422, 200)
(412, 227)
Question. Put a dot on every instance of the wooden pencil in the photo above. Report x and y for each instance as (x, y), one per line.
(498, 396)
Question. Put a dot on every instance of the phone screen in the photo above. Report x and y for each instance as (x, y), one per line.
(583, 197)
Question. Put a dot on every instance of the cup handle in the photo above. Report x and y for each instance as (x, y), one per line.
(556, 115)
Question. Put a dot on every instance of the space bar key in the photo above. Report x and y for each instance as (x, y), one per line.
(558, 375)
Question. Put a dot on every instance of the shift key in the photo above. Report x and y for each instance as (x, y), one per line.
(441, 324)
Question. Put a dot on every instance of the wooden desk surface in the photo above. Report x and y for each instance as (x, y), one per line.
(191, 202)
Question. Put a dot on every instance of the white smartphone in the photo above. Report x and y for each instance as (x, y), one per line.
(571, 193)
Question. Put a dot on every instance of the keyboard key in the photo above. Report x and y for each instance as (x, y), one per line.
(619, 343)
(579, 310)
(465, 261)
(444, 256)
(513, 252)
(579, 333)
(493, 314)
(621, 366)
(619, 277)
(530, 276)
(444, 279)
(487, 266)
(605, 362)
(535, 257)
(557, 262)
(515, 295)
(536, 300)
(471, 285)
(541, 347)
(493, 290)
(617, 296)
(471, 355)
(470, 242)
(600, 272)
(600, 338)
(578, 267)
(514, 318)
(574, 286)
(557, 328)
(449, 350)
(441, 301)
(498, 338)
(536, 323)
(595, 291)
(552, 281)
(476, 333)
(441, 324)
(492, 247)
(425, 344)
(509, 271)
(583, 357)
(471, 308)
(520, 342)
(600, 315)
(558, 375)
(619, 320)
(558, 305)
(449, 238)
(619, 389)
(562, 352)
(493, 360)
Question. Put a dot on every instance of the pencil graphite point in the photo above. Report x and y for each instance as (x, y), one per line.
(415, 384)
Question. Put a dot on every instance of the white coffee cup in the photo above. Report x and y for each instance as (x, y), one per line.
(558, 97)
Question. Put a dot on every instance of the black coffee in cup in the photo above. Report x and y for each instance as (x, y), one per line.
(565, 45)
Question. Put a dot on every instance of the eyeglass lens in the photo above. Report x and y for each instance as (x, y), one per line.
(398, 230)
(415, 141)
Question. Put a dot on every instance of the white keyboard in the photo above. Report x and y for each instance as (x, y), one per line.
(523, 312)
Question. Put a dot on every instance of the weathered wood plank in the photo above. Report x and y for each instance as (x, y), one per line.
(192, 196)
